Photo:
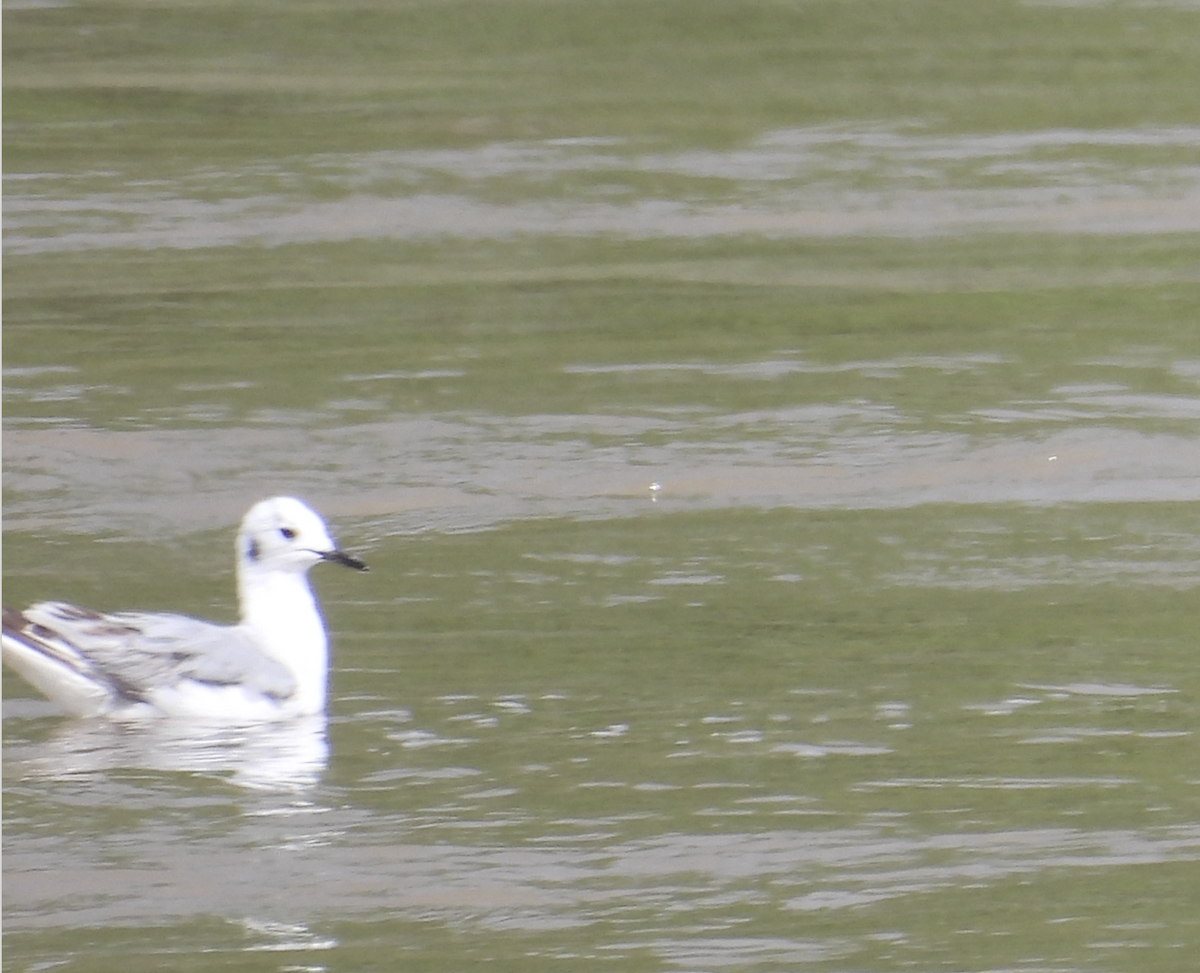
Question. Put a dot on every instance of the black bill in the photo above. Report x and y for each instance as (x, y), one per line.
(341, 557)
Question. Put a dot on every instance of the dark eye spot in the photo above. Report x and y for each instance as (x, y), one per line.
(287, 532)
(252, 550)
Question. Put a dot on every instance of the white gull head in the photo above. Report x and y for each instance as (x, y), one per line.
(280, 539)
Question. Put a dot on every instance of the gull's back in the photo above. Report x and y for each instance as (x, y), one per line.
(105, 664)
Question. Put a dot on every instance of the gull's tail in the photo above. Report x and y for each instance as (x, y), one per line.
(53, 665)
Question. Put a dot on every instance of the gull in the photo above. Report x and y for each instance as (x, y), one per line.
(273, 664)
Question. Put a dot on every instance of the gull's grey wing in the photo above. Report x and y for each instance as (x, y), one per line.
(55, 666)
(139, 652)
(219, 654)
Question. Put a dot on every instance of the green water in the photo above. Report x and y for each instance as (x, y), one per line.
(894, 304)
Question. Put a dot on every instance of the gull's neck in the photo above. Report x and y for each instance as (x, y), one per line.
(280, 612)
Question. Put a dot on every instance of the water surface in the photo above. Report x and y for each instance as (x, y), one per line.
(779, 493)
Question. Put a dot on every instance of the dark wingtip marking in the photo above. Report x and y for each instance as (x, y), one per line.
(73, 613)
(14, 621)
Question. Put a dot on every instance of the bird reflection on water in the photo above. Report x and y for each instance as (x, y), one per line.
(289, 755)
